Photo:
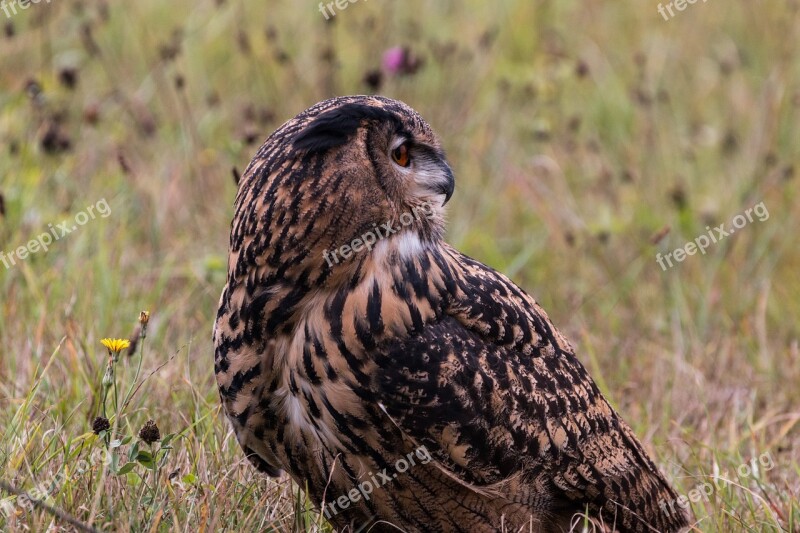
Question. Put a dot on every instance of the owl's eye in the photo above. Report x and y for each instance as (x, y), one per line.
(400, 155)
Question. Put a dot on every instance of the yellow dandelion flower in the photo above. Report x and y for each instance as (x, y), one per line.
(115, 345)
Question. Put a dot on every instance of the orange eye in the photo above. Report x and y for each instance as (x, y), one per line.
(400, 155)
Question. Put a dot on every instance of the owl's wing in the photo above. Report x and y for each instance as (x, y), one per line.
(494, 391)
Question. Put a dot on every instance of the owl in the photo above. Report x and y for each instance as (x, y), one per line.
(402, 384)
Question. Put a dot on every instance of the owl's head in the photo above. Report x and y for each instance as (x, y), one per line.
(342, 170)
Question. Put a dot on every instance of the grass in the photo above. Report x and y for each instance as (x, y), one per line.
(586, 137)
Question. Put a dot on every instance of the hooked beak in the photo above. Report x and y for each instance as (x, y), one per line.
(447, 185)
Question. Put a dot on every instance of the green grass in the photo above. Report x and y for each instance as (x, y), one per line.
(577, 132)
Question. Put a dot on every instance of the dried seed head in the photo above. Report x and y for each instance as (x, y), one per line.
(149, 432)
(100, 424)
(68, 77)
(373, 79)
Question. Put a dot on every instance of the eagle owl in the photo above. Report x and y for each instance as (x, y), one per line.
(401, 383)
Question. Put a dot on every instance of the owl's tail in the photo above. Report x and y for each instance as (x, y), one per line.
(621, 488)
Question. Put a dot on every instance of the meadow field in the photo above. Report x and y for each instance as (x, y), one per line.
(635, 171)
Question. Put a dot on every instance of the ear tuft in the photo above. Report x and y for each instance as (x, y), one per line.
(335, 127)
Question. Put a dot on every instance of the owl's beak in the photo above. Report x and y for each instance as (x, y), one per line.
(447, 185)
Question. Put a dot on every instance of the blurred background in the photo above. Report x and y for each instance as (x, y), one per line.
(586, 138)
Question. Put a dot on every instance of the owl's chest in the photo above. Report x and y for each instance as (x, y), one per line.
(320, 430)
(309, 402)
